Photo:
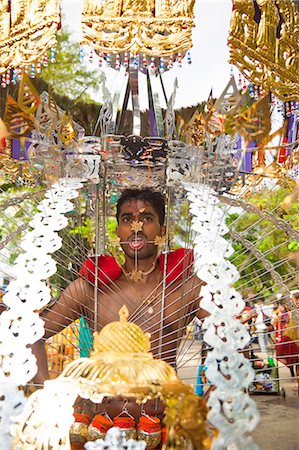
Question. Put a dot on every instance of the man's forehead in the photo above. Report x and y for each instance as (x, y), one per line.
(137, 205)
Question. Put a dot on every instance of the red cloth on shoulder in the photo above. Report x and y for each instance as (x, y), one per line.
(108, 269)
(179, 265)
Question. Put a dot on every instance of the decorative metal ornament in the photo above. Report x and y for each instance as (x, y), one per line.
(27, 30)
(136, 226)
(264, 44)
(150, 27)
(228, 370)
(21, 325)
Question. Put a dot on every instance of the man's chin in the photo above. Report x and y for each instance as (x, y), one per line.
(143, 253)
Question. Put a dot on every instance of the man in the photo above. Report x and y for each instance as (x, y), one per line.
(160, 292)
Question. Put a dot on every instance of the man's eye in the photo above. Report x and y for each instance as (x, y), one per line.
(126, 219)
(147, 219)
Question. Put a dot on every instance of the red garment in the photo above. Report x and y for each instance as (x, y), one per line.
(287, 350)
(179, 264)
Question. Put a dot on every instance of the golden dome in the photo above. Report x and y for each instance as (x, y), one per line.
(120, 362)
(121, 337)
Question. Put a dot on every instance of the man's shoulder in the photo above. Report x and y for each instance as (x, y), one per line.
(106, 267)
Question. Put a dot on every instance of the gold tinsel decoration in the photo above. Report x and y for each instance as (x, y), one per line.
(266, 51)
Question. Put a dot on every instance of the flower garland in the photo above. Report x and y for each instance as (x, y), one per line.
(232, 412)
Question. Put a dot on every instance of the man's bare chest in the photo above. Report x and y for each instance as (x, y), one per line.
(150, 308)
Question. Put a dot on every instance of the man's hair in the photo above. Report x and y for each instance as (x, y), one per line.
(154, 198)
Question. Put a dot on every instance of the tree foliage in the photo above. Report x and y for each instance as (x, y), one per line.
(68, 76)
(274, 243)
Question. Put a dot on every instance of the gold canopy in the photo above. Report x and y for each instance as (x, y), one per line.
(151, 27)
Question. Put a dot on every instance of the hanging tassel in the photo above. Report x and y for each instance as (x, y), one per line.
(90, 58)
(32, 71)
(126, 60)
(152, 66)
(7, 78)
(52, 55)
(179, 60)
(117, 62)
(170, 63)
(282, 156)
(19, 76)
(135, 63)
(3, 81)
(45, 61)
(14, 76)
(144, 61)
(162, 68)
(38, 67)
(81, 55)
(189, 61)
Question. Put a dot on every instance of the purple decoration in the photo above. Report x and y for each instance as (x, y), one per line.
(16, 148)
(292, 131)
(20, 151)
(248, 157)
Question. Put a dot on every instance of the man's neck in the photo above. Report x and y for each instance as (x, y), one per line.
(142, 264)
(149, 268)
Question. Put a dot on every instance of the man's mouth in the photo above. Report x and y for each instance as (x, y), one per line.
(136, 243)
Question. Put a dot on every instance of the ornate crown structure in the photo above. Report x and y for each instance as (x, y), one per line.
(264, 44)
(27, 30)
(151, 27)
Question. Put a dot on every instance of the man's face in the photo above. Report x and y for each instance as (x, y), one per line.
(139, 243)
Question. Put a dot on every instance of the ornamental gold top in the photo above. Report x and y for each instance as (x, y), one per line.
(151, 27)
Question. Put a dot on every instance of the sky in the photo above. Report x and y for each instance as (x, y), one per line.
(209, 69)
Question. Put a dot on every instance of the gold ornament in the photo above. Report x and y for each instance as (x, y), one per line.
(136, 226)
(253, 123)
(114, 242)
(159, 241)
(27, 30)
(67, 130)
(121, 364)
(151, 27)
(267, 53)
